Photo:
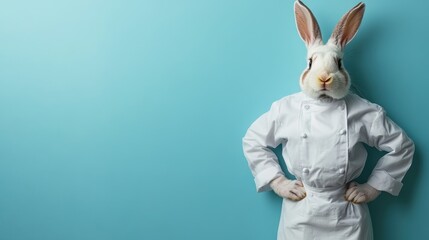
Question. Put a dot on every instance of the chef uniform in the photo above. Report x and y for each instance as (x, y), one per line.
(323, 146)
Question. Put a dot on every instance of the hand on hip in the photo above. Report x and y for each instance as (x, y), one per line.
(361, 193)
(290, 189)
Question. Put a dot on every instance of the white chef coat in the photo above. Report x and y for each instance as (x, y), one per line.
(323, 147)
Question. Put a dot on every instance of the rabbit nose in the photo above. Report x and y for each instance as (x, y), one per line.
(325, 79)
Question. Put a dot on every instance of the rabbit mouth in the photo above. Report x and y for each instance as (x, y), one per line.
(324, 93)
(325, 98)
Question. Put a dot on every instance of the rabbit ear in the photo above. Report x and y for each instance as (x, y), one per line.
(307, 25)
(348, 26)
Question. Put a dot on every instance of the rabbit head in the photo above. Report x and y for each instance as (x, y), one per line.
(326, 76)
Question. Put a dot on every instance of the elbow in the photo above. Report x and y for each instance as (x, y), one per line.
(412, 149)
(409, 149)
(411, 146)
(247, 143)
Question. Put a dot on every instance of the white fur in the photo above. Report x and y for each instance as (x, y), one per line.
(324, 63)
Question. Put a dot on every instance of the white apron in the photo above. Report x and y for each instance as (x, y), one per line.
(322, 147)
(324, 214)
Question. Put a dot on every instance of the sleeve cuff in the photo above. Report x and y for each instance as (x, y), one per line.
(263, 179)
(382, 181)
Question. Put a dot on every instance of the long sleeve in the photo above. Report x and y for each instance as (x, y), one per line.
(385, 135)
(256, 146)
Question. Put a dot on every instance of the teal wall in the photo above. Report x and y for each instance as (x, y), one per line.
(124, 119)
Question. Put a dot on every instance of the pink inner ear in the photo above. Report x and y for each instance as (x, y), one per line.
(352, 25)
(302, 27)
(348, 26)
(307, 25)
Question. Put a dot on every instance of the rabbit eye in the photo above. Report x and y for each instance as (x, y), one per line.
(340, 63)
(310, 62)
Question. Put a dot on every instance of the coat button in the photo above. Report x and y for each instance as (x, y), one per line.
(342, 107)
(341, 170)
(304, 135)
(342, 132)
(305, 170)
(307, 107)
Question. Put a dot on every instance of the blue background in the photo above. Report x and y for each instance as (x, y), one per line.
(124, 119)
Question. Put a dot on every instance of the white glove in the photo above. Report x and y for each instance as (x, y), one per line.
(361, 193)
(290, 189)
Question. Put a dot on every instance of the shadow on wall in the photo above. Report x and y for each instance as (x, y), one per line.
(356, 57)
